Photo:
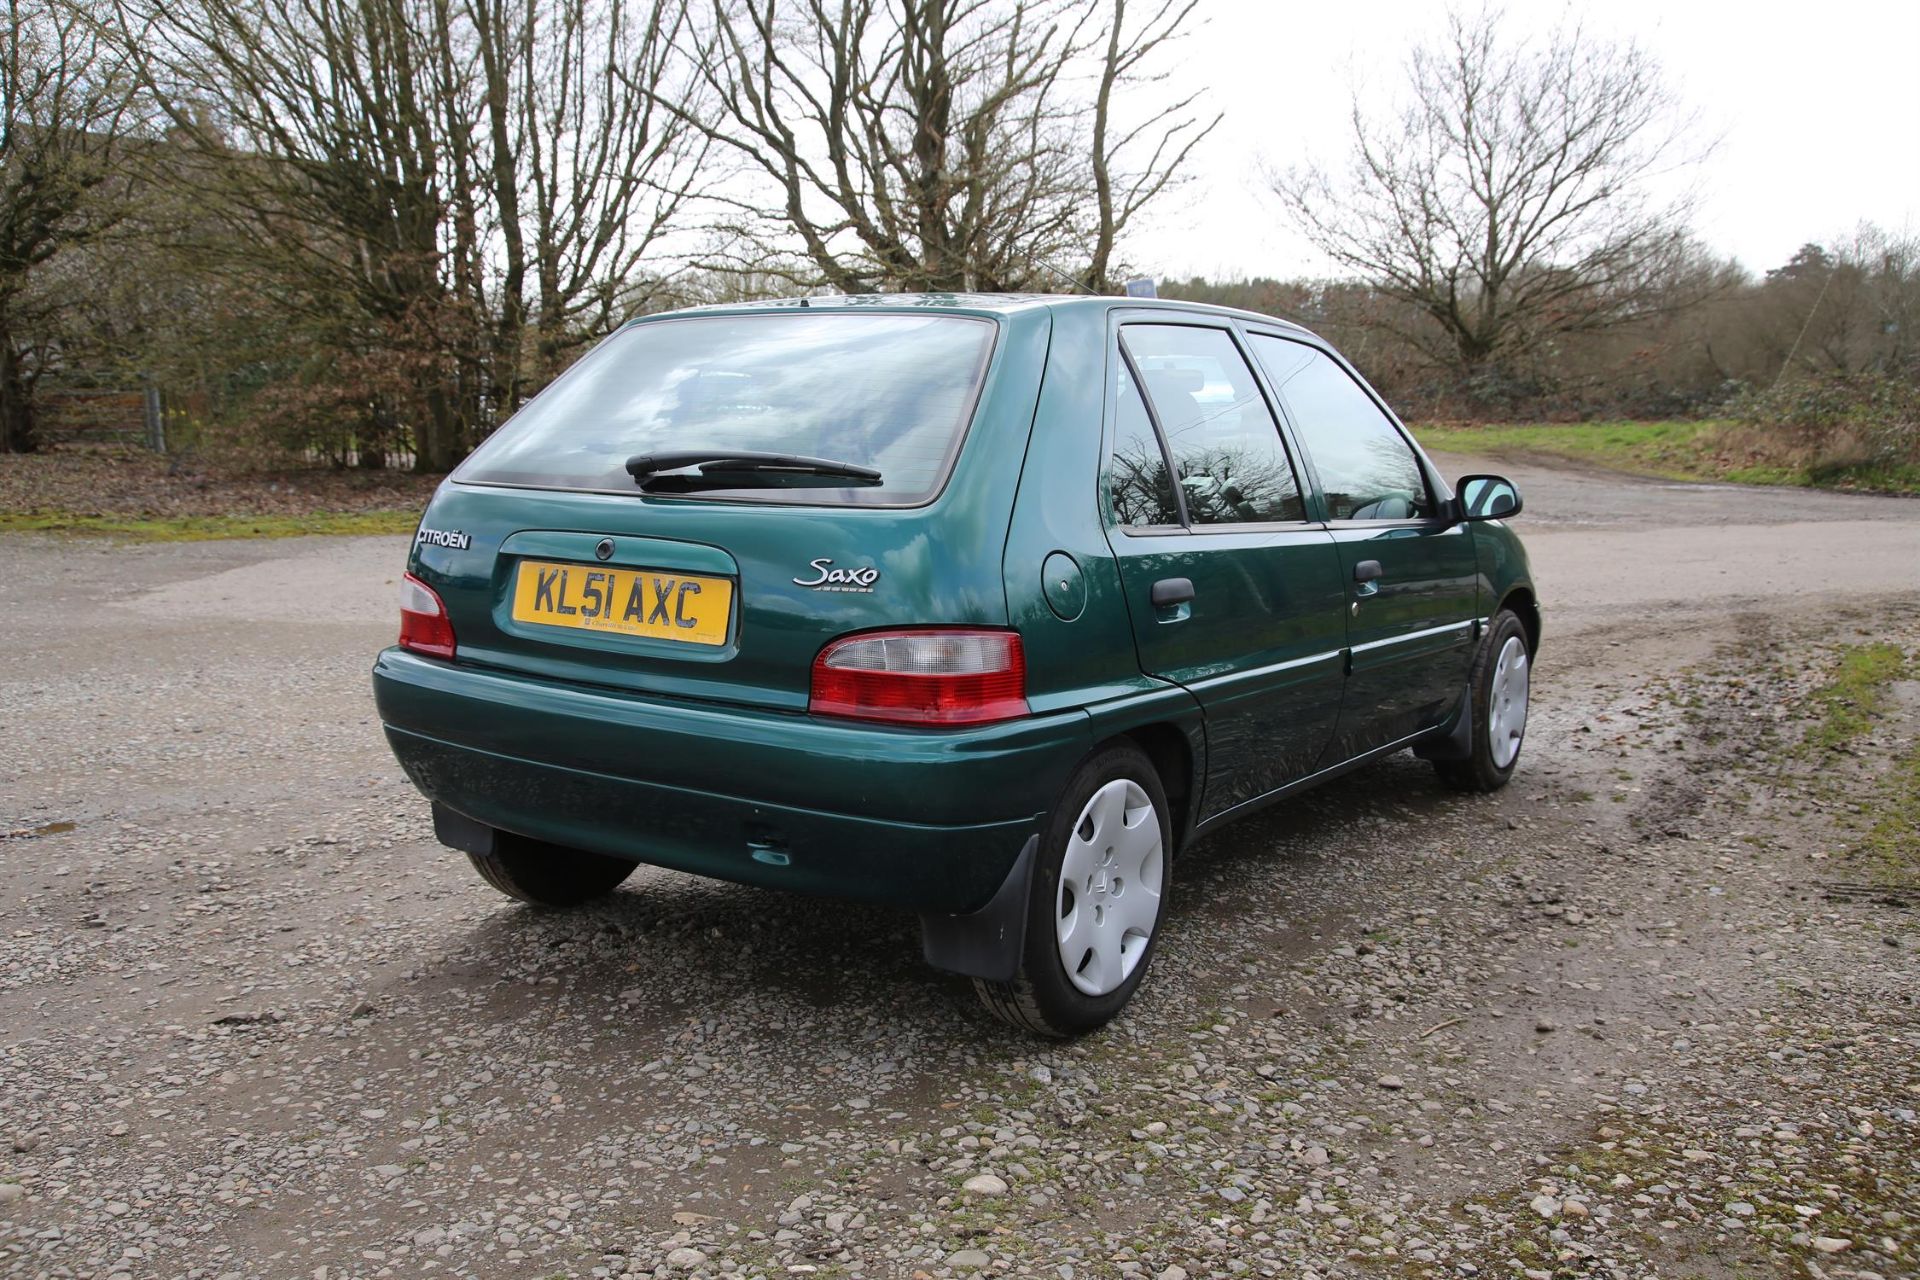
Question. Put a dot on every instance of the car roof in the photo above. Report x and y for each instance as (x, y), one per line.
(985, 303)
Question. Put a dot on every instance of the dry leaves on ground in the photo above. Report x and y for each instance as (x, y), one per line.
(107, 481)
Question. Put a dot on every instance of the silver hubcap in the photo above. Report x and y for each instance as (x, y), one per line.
(1507, 704)
(1110, 880)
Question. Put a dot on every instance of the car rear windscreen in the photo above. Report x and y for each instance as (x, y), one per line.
(889, 392)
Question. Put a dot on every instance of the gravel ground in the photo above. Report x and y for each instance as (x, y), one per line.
(1615, 1021)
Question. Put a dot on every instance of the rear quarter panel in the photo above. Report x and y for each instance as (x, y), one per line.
(1089, 659)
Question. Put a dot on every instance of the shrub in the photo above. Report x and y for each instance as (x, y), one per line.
(1836, 426)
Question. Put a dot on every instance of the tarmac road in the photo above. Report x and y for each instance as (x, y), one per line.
(255, 1023)
(1606, 546)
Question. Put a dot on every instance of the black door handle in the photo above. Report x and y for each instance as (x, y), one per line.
(1171, 591)
(1368, 571)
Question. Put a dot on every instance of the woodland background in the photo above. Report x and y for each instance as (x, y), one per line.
(360, 233)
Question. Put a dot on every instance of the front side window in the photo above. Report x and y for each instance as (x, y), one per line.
(1367, 470)
(892, 393)
(1228, 458)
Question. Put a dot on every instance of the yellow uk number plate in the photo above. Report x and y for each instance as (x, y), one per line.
(655, 603)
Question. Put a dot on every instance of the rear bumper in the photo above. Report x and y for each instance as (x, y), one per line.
(931, 820)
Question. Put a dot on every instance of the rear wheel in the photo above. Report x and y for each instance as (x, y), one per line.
(1096, 902)
(1498, 695)
(548, 875)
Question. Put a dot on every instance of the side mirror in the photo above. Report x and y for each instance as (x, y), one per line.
(1487, 498)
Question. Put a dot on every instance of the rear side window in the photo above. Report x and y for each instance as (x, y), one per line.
(1138, 481)
(1366, 468)
(1228, 458)
(889, 392)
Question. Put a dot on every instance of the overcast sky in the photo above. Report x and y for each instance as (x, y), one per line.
(1816, 105)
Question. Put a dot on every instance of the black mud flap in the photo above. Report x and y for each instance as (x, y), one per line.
(986, 943)
(458, 831)
(1453, 741)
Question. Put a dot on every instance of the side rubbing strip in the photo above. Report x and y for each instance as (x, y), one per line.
(1427, 634)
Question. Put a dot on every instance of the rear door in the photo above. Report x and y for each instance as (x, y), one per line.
(1407, 569)
(1232, 593)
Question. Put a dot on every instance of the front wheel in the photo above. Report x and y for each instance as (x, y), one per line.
(1099, 886)
(1497, 700)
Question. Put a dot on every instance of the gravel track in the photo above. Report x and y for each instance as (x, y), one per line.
(255, 1023)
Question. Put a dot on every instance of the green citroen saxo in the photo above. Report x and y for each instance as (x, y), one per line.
(981, 606)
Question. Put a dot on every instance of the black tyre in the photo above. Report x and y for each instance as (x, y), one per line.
(548, 875)
(1098, 896)
(1497, 700)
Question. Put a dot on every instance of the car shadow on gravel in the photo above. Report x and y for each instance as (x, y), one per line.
(671, 949)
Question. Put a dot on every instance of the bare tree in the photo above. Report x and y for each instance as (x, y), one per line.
(589, 171)
(331, 137)
(1512, 198)
(1136, 162)
(933, 144)
(1845, 311)
(461, 190)
(65, 102)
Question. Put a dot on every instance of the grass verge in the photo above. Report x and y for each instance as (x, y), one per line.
(1890, 844)
(1847, 705)
(1885, 820)
(1666, 449)
(205, 528)
(1710, 450)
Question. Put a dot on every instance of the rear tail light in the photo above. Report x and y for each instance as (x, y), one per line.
(931, 676)
(424, 626)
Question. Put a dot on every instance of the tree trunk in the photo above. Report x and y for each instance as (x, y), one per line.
(19, 432)
(437, 446)
(497, 49)
(1474, 361)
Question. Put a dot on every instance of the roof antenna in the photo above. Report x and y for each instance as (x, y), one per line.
(1064, 276)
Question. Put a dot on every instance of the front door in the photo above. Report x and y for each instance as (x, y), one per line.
(1408, 570)
(1232, 592)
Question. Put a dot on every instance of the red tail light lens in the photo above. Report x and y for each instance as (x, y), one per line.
(931, 676)
(424, 626)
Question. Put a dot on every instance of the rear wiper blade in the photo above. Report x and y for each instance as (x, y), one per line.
(713, 462)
